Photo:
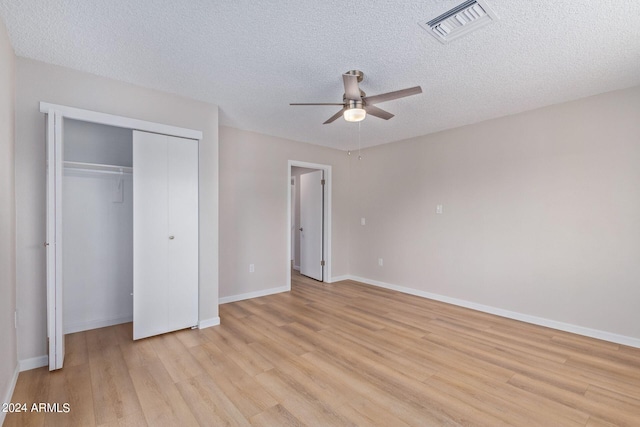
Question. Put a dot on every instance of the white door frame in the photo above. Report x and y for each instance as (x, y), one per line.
(54, 272)
(53, 242)
(119, 121)
(327, 217)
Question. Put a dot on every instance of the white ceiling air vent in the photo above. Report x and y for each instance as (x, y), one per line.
(460, 20)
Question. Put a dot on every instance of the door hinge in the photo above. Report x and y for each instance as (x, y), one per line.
(322, 182)
(322, 263)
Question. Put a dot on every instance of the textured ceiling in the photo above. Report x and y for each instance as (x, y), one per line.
(253, 58)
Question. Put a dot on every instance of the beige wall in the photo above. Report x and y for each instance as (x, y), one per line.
(541, 213)
(35, 82)
(253, 209)
(8, 360)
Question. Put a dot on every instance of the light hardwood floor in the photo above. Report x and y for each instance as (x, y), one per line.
(339, 354)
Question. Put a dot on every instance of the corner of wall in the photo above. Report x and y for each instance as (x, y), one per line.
(8, 351)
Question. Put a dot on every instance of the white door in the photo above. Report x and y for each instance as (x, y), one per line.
(311, 224)
(165, 234)
(53, 242)
(293, 219)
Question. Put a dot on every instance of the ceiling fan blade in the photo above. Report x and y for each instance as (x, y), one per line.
(351, 89)
(378, 112)
(319, 103)
(334, 117)
(383, 97)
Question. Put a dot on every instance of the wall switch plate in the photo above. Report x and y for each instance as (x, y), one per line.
(380, 262)
(362, 221)
(252, 268)
(438, 209)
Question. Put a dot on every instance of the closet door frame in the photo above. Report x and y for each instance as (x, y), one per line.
(53, 242)
(55, 137)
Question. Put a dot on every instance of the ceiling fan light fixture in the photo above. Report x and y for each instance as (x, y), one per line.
(354, 114)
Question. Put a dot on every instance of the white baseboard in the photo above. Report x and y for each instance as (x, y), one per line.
(340, 278)
(553, 324)
(296, 267)
(256, 294)
(33, 363)
(70, 328)
(207, 323)
(9, 393)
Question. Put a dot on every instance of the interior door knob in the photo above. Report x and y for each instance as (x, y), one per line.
(171, 237)
(300, 228)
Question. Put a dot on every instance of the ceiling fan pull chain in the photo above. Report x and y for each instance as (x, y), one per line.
(359, 156)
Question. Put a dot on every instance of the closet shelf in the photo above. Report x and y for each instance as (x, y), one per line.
(97, 167)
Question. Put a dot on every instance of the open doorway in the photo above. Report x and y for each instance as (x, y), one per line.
(309, 220)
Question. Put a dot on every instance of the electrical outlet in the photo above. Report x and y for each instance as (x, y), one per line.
(438, 209)
(362, 221)
(380, 262)
(252, 268)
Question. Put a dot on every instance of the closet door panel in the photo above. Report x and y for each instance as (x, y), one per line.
(150, 219)
(165, 176)
(183, 227)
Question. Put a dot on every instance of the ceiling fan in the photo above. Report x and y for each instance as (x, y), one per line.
(356, 105)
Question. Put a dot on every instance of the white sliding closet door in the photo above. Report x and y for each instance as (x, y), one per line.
(165, 234)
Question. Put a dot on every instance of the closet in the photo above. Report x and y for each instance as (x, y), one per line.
(97, 226)
(122, 225)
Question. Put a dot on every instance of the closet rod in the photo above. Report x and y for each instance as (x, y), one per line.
(97, 168)
(99, 171)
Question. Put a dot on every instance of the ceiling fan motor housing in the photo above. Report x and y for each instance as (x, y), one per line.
(346, 100)
(356, 73)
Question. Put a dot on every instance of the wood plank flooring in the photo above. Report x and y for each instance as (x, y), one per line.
(338, 355)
